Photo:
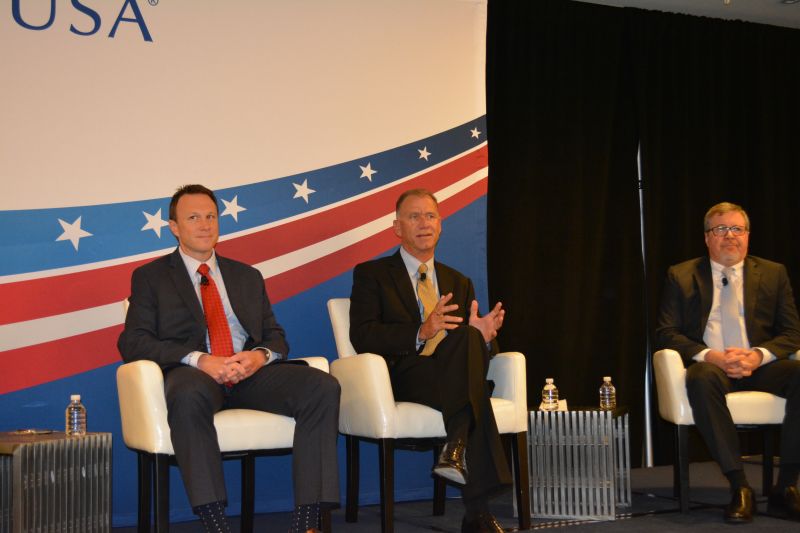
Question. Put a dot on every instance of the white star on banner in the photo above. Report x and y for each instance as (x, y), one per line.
(303, 190)
(72, 232)
(424, 153)
(233, 208)
(475, 133)
(154, 222)
(367, 172)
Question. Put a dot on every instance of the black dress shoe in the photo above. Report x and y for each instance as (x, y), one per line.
(740, 510)
(484, 523)
(785, 503)
(452, 463)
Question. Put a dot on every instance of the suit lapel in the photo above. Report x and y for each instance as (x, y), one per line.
(752, 279)
(705, 286)
(184, 286)
(233, 288)
(402, 281)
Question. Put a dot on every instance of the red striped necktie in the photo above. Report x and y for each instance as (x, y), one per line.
(219, 333)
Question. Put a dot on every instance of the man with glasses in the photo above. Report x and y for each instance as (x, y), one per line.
(732, 317)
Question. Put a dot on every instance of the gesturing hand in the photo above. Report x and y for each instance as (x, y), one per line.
(439, 319)
(490, 322)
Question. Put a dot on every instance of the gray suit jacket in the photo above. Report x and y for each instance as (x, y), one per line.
(769, 308)
(165, 320)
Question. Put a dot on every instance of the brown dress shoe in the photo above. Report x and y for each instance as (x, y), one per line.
(740, 510)
(785, 503)
(484, 523)
(452, 463)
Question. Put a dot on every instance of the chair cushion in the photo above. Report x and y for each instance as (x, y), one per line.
(752, 407)
(419, 421)
(248, 429)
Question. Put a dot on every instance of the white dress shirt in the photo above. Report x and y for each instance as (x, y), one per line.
(712, 336)
(238, 333)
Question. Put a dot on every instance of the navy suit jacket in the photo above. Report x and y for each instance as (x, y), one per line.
(770, 314)
(165, 320)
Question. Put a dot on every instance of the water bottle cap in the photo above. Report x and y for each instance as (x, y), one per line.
(607, 378)
(549, 381)
(75, 398)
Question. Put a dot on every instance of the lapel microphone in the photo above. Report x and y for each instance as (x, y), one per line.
(724, 281)
(204, 280)
(423, 276)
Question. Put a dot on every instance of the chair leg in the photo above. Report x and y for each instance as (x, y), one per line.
(325, 520)
(768, 462)
(519, 447)
(248, 492)
(439, 486)
(161, 492)
(351, 505)
(681, 467)
(386, 459)
(145, 485)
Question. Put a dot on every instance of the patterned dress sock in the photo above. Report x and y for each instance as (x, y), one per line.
(213, 517)
(304, 517)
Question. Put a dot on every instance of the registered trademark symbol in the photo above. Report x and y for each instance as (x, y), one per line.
(152, 2)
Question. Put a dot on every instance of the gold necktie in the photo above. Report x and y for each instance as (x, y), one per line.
(427, 296)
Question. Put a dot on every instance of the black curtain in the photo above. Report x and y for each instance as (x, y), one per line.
(563, 217)
(572, 88)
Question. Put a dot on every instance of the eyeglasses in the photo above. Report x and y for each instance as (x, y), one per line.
(721, 231)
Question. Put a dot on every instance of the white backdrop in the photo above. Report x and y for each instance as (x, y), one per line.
(308, 118)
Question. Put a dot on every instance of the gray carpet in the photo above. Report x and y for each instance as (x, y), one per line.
(653, 510)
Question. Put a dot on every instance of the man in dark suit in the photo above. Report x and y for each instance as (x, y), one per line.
(207, 321)
(732, 317)
(422, 317)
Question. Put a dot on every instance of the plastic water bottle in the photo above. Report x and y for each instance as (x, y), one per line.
(608, 395)
(549, 396)
(76, 417)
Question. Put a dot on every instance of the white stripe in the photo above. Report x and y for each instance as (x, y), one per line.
(12, 278)
(51, 328)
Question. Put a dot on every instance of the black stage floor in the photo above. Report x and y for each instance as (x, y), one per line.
(653, 510)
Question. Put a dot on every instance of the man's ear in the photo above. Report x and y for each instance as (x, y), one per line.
(396, 227)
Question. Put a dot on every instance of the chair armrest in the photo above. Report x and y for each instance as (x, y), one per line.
(143, 408)
(673, 402)
(507, 370)
(320, 363)
(367, 407)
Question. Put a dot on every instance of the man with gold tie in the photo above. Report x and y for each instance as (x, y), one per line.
(733, 319)
(422, 317)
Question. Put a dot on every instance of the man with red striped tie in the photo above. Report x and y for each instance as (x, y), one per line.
(207, 321)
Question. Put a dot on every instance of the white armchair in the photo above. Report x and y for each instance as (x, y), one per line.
(749, 409)
(368, 411)
(243, 434)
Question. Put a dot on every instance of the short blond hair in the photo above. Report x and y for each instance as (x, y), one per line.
(722, 208)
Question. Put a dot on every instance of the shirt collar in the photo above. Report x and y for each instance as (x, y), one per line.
(191, 263)
(412, 263)
(716, 268)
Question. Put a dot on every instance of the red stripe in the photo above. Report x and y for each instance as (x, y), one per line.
(33, 365)
(64, 293)
(40, 363)
(311, 274)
